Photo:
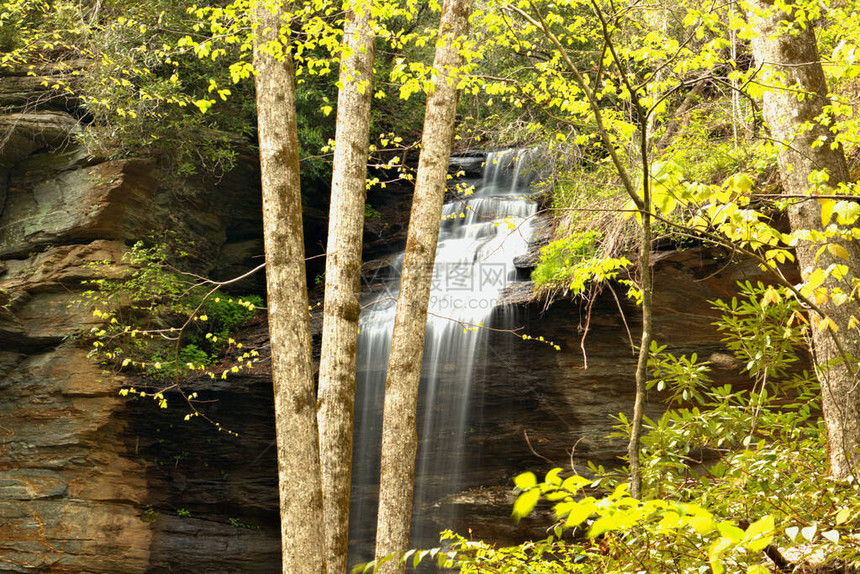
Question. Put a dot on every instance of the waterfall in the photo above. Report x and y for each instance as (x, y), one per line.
(480, 235)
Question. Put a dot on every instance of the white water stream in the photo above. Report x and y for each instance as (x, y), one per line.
(480, 236)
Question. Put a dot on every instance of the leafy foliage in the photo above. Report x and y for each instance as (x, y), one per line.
(573, 260)
(170, 325)
(729, 484)
(119, 60)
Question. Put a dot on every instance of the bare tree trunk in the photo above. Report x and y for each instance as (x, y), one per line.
(643, 204)
(635, 444)
(342, 282)
(791, 59)
(399, 439)
(289, 321)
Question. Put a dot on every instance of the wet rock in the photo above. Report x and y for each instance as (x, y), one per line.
(542, 225)
(31, 484)
(62, 268)
(26, 88)
(76, 492)
(49, 205)
(485, 513)
(467, 163)
(185, 545)
(517, 294)
(24, 133)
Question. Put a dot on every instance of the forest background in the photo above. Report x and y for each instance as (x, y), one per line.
(722, 124)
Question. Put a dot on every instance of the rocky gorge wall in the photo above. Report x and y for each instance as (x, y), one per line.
(94, 482)
(76, 493)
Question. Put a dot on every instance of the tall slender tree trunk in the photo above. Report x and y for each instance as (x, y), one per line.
(643, 204)
(790, 59)
(289, 321)
(342, 282)
(634, 447)
(399, 438)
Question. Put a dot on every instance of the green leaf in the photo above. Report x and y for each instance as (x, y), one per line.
(759, 534)
(553, 478)
(579, 512)
(525, 503)
(843, 515)
(526, 481)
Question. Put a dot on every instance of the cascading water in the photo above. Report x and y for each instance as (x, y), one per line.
(481, 234)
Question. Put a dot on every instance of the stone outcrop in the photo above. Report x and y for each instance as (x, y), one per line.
(535, 408)
(93, 482)
(76, 494)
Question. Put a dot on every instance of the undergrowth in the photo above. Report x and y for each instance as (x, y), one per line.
(592, 215)
(166, 324)
(733, 478)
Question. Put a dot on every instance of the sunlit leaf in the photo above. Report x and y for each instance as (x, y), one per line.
(525, 503)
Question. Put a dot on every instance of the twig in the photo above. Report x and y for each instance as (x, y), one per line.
(534, 452)
(572, 450)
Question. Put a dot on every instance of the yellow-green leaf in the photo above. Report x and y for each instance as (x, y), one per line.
(525, 503)
(816, 278)
(741, 182)
(579, 512)
(574, 483)
(759, 534)
(552, 477)
(837, 251)
(827, 206)
(702, 523)
(715, 554)
(847, 212)
(730, 531)
(525, 481)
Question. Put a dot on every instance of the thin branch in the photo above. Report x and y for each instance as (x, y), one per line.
(592, 101)
(531, 448)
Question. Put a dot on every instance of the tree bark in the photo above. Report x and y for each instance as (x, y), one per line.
(793, 111)
(643, 204)
(634, 447)
(342, 282)
(289, 321)
(399, 438)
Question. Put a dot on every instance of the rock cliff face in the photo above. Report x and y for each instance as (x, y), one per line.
(93, 482)
(535, 408)
(76, 490)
